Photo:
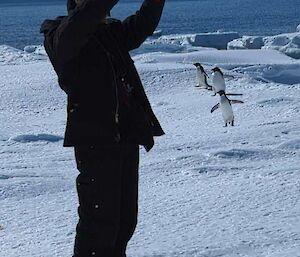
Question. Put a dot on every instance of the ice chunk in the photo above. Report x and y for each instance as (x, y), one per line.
(288, 43)
(217, 40)
(279, 40)
(246, 42)
(157, 33)
(35, 49)
(30, 49)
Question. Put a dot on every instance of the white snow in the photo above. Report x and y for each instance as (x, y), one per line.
(10, 55)
(205, 190)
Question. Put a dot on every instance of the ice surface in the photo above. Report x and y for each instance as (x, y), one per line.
(264, 65)
(205, 190)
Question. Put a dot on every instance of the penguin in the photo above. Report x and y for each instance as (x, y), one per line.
(219, 82)
(202, 77)
(226, 108)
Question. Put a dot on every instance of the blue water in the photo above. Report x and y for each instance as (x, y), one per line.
(20, 19)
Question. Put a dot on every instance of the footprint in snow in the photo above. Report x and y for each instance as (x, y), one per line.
(4, 176)
(290, 145)
(35, 138)
(239, 154)
(275, 101)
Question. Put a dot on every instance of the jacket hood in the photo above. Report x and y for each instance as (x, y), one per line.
(71, 5)
(50, 24)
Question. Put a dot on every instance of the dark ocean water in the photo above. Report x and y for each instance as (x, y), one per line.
(20, 19)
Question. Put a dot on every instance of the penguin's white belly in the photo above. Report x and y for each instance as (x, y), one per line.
(219, 83)
(226, 111)
(201, 80)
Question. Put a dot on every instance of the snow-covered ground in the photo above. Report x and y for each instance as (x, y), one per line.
(205, 190)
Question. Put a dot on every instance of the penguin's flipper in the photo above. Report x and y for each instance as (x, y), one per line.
(234, 94)
(215, 108)
(208, 87)
(236, 102)
(205, 74)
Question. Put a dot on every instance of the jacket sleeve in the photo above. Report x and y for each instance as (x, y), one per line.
(142, 24)
(75, 30)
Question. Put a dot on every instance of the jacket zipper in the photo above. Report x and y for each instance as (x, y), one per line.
(115, 82)
(117, 90)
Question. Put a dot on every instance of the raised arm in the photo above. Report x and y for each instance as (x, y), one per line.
(75, 30)
(141, 25)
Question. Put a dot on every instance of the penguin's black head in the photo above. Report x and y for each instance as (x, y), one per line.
(198, 65)
(217, 69)
(221, 92)
(71, 4)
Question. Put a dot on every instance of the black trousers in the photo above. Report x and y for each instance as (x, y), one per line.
(107, 188)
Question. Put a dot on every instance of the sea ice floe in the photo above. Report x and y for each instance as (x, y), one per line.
(217, 40)
(287, 43)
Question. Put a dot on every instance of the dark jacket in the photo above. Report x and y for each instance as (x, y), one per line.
(91, 59)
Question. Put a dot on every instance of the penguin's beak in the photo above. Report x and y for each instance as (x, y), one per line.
(195, 64)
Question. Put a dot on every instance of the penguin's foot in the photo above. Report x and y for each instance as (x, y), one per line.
(200, 87)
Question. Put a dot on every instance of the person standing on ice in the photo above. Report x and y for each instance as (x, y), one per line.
(109, 116)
